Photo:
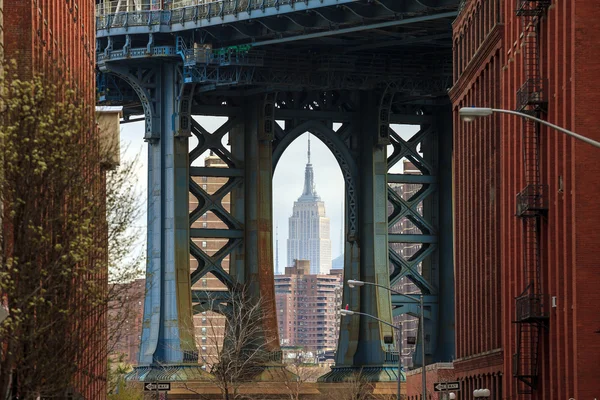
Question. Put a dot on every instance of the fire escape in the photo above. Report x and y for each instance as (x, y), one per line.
(532, 204)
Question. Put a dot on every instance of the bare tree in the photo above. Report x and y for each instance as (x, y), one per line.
(298, 373)
(239, 350)
(355, 387)
(60, 223)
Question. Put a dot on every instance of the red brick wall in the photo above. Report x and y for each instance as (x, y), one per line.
(569, 41)
(57, 38)
(435, 373)
(477, 35)
(54, 36)
(585, 166)
(570, 61)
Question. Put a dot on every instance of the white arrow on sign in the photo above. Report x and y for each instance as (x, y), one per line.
(157, 386)
(446, 386)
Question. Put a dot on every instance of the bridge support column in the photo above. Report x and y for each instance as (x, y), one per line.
(361, 348)
(258, 204)
(167, 330)
(443, 333)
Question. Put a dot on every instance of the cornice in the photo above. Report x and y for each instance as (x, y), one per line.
(491, 43)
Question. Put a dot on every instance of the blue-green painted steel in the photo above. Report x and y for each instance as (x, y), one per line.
(167, 330)
(361, 348)
(363, 82)
(445, 330)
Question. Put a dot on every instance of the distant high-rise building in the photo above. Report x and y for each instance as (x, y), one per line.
(125, 320)
(309, 232)
(209, 327)
(308, 307)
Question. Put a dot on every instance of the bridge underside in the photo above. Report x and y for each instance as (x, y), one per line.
(350, 73)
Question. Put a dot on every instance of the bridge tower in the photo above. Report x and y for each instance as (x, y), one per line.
(277, 69)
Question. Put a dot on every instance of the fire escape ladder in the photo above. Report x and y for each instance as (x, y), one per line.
(532, 203)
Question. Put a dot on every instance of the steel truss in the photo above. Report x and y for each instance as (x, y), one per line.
(308, 65)
(234, 20)
(261, 71)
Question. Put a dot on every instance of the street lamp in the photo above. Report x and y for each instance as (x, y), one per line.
(481, 393)
(349, 313)
(469, 114)
(452, 396)
(354, 283)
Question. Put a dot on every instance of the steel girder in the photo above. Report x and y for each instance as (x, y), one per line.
(167, 331)
(319, 92)
(235, 20)
(420, 225)
(244, 231)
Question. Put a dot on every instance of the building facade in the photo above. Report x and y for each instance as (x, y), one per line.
(57, 39)
(308, 307)
(309, 227)
(525, 199)
(209, 326)
(125, 318)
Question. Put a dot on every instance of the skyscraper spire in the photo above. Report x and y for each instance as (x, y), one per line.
(342, 228)
(309, 192)
(309, 148)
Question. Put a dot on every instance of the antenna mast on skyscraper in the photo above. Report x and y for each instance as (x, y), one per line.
(342, 228)
(308, 148)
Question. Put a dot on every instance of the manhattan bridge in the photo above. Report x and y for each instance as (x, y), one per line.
(348, 72)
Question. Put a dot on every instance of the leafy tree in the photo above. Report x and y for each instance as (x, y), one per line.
(118, 388)
(61, 226)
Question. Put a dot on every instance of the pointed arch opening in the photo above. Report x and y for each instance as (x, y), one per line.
(309, 194)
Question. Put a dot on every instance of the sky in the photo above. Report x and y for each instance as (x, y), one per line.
(288, 180)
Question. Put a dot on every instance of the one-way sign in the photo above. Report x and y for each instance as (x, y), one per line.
(444, 386)
(151, 386)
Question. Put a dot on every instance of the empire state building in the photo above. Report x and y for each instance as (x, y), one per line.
(309, 237)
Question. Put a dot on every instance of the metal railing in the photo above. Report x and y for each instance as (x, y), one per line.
(531, 308)
(127, 13)
(532, 201)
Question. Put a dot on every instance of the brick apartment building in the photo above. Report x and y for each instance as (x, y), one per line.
(527, 277)
(57, 39)
(125, 320)
(209, 326)
(308, 307)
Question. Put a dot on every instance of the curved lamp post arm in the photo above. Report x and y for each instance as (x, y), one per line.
(419, 300)
(413, 298)
(470, 113)
(374, 317)
(551, 125)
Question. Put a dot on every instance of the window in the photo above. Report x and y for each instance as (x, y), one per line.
(204, 244)
(204, 283)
